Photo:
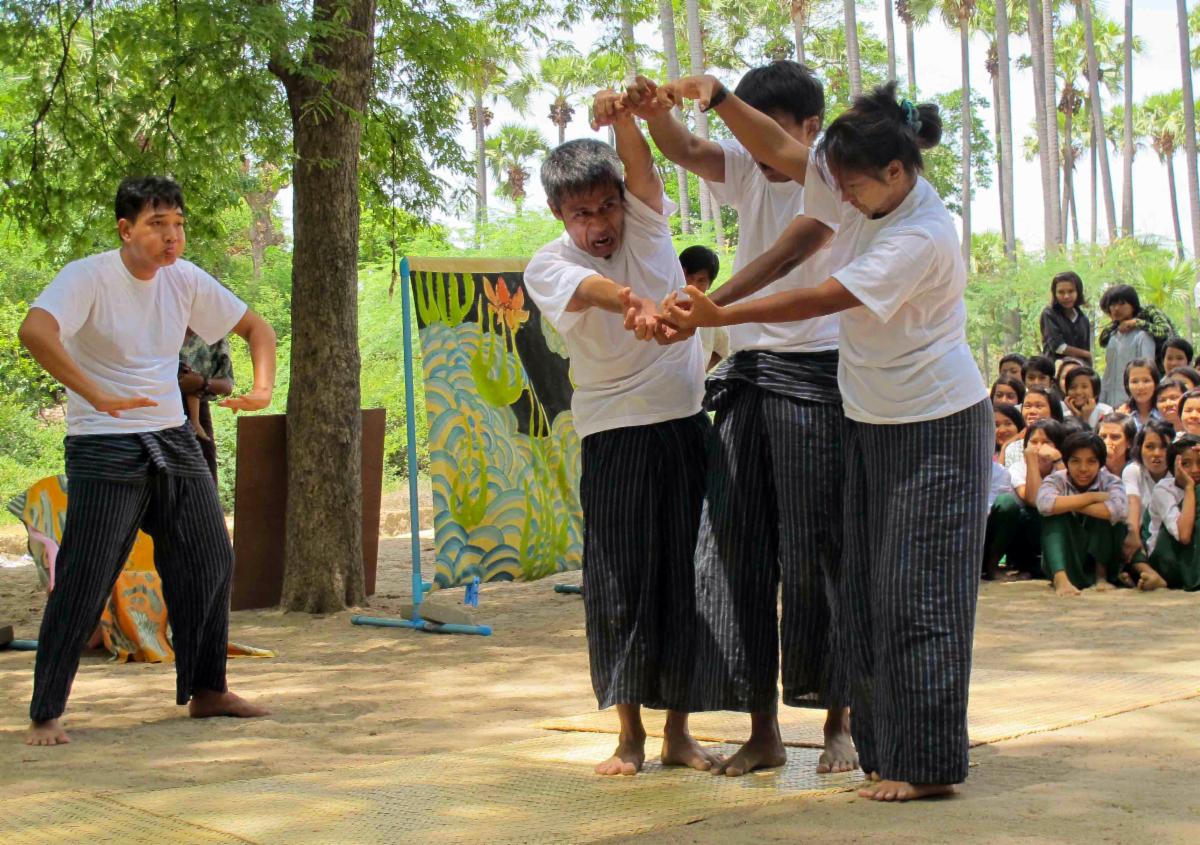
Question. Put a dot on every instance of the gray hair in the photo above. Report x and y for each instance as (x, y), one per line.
(578, 166)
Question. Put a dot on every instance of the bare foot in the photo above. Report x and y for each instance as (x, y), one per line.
(206, 703)
(898, 790)
(839, 754)
(685, 751)
(760, 752)
(1103, 587)
(1063, 585)
(1149, 580)
(1126, 580)
(627, 759)
(49, 732)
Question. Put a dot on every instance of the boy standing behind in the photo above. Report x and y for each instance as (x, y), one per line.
(637, 411)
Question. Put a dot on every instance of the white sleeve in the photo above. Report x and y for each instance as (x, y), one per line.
(737, 172)
(721, 343)
(1018, 472)
(69, 298)
(1170, 512)
(1131, 477)
(552, 280)
(215, 309)
(642, 220)
(1014, 454)
(821, 200)
(890, 272)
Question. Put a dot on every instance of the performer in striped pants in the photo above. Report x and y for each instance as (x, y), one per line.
(920, 431)
(109, 328)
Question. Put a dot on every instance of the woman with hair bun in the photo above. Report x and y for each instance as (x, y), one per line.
(920, 428)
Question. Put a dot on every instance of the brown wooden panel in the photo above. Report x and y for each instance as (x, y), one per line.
(260, 506)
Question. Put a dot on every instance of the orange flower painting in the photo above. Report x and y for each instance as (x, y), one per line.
(508, 307)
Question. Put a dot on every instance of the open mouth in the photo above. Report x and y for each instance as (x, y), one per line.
(601, 244)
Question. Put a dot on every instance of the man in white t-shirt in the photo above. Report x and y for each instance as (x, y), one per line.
(637, 409)
(772, 512)
(109, 327)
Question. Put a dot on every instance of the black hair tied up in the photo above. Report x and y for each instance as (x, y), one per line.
(879, 129)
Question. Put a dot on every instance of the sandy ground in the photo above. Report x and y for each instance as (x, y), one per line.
(344, 695)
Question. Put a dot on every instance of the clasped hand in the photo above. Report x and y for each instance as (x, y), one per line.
(674, 319)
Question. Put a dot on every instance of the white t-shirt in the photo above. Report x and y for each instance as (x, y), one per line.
(619, 380)
(764, 210)
(903, 354)
(714, 339)
(125, 334)
(1166, 503)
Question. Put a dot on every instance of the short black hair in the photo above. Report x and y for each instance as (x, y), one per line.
(1194, 393)
(1167, 383)
(1013, 358)
(1178, 447)
(136, 192)
(1128, 427)
(578, 166)
(1144, 363)
(1189, 373)
(1118, 294)
(1084, 441)
(1010, 411)
(879, 129)
(1089, 374)
(1055, 430)
(699, 257)
(1073, 424)
(1068, 276)
(1040, 364)
(1017, 385)
(1182, 345)
(1052, 399)
(783, 86)
(1162, 428)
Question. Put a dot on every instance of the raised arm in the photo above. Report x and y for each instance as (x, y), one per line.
(641, 178)
(260, 337)
(795, 245)
(699, 155)
(762, 137)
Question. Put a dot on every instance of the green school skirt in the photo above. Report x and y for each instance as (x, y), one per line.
(1076, 544)
(1179, 565)
(1014, 532)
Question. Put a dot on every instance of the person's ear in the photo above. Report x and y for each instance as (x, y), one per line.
(812, 127)
(554, 210)
(123, 229)
(896, 172)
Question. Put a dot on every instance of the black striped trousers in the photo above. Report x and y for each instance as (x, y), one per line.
(192, 552)
(772, 516)
(916, 509)
(641, 490)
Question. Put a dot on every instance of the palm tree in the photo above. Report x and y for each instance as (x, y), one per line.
(890, 24)
(666, 20)
(959, 13)
(852, 56)
(1189, 123)
(1160, 119)
(1048, 73)
(709, 211)
(1045, 106)
(1127, 126)
(563, 74)
(798, 11)
(1006, 15)
(914, 13)
(1096, 108)
(508, 153)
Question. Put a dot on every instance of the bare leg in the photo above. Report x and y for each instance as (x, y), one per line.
(49, 732)
(839, 754)
(680, 749)
(1063, 586)
(764, 749)
(631, 747)
(207, 703)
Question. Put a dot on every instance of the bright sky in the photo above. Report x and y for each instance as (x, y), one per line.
(938, 70)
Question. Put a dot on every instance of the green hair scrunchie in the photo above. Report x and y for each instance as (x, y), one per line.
(911, 115)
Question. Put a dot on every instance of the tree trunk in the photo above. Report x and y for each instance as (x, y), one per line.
(323, 569)
(628, 42)
(481, 215)
(1048, 68)
(1043, 116)
(262, 232)
(1005, 231)
(852, 47)
(890, 24)
(1093, 67)
(1127, 130)
(710, 212)
(1094, 193)
(1189, 125)
(1170, 163)
(666, 18)
(911, 46)
(1005, 134)
(798, 29)
(964, 36)
(1066, 162)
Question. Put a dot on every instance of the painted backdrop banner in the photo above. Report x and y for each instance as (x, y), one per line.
(503, 453)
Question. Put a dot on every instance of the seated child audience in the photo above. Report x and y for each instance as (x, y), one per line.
(1166, 400)
(1128, 343)
(1119, 434)
(1187, 375)
(1009, 426)
(1040, 403)
(1083, 510)
(1140, 382)
(1189, 412)
(1013, 365)
(1177, 352)
(1039, 372)
(1065, 367)
(700, 268)
(1014, 524)
(1008, 390)
(1174, 559)
(1083, 386)
(1150, 461)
